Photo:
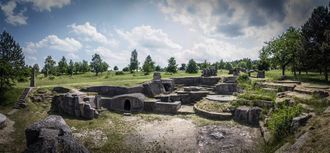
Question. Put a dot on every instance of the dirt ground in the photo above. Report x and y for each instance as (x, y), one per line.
(182, 135)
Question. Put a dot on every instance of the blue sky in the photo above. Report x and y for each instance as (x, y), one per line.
(203, 30)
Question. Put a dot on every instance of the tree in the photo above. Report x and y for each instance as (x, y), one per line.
(96, 64)
(49, 67)
(315, 36)
(62, 65)
(125, 69)
(71, 67)
(172, 66)
(84, 67)
(11, 61)
(104, 67)
(282, 50)
(204, 65)
(192, 67)
(36, 68)
(134, 63)
(222, 64)
(115, 68)
(77, 67)
(228, 66)
(158, 68)
(148, 65)
(183, 67)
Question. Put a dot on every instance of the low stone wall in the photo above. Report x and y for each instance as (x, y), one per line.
(195, 81)
(212, 115)
(76, 105)
(230, 79)
(114, 90)
(167, 107)
(278, 86)
(249, 115)
(259, 103)
(186, 97)
(226, 88)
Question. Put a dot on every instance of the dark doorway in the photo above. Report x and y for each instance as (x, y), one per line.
(167, 87)
(127, 105)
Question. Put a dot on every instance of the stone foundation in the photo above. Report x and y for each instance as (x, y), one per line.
(226, 88)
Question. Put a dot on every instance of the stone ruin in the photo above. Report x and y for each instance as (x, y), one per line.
(208, 72)
(77, 104)
(51, 135)
(261, 74)
(156, 96)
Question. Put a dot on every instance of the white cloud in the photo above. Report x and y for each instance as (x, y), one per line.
(148, 37)
(90, 33)
(12, 17)
(47, 5)
(69, 45)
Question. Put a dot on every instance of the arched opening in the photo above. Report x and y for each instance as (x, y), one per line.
(167, 87)
(127, 105)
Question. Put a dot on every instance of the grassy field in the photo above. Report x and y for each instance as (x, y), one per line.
(108, 78)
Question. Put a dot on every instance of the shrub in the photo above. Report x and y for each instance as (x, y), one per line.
(280, 121)
(51, 77)
(119, 73)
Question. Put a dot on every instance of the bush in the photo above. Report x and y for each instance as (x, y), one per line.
(244, 81)
(51, 77)
(119, 73)
(280, 121)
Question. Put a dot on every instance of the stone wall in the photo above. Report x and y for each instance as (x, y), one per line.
(249, 115)
(195, 81)
(76, 105)
(212, 115)
(114, 90)
(167, 107)
(226, 88)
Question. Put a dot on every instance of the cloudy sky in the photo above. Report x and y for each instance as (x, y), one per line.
(203, 30)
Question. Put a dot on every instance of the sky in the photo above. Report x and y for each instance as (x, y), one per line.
(185, 29)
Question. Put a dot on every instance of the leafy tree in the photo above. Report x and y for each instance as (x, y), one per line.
(11, 61)
(192, 67)
(148, 65)
(71, 67)
(249, 64)
(96, 64)
(36, 68)
(134, 63)
(183, 67)
(125, 69)
(222, 64)
(77, 67)
(172, 66)
(204, 65)
(49, 67)
(158, 68)
(282, 50)
(228, 66)
(62, 65)
(84, 67)
(104, 67)
(315, 34)
(115, 68)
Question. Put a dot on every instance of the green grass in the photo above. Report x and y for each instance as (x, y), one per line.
(10, 96)
(212, 106)
(107, 78)
(311, 77)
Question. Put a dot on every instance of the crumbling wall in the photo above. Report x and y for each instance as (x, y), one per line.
(76, 105)
(134, 102)
(195, 81)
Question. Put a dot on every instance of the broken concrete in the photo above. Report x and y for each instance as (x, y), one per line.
(249, 115)
(226, 88)
(51, 135)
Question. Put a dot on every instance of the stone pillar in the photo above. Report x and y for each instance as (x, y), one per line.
(33, 78)
(261, 74)
(157, 76)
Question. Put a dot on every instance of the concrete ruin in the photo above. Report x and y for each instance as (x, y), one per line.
(156, 96)
(78, 105)
(51, 135)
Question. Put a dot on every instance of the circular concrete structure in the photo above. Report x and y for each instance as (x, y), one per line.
(221, 98)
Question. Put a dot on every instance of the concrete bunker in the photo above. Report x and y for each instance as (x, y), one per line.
(125, 103)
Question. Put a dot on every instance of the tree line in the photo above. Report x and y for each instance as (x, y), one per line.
(303, 49)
